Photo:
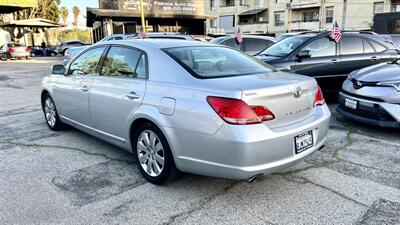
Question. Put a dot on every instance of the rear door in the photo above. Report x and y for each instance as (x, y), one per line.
(118, 91)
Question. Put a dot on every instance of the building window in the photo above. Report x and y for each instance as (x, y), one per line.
(213, 4)
(279, 18)
(259, 3)
(396, 8)
(227, 3)
(311, 16)
(329, 15)
(226, 22)
(213, 23)
(280, 1)
(378, 7)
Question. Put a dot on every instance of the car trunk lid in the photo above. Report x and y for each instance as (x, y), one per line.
(289, 97)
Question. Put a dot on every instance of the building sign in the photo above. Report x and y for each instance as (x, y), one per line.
(19, 3)
(161, 7)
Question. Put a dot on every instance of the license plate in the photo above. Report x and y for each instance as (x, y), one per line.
(304, 141)
(350, 103)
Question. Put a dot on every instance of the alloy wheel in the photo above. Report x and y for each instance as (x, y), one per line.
(150, 152)
(50, 112)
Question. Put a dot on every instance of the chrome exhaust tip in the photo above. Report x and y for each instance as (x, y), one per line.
(253, 178)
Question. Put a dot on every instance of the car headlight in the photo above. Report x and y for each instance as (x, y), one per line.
(395, 84)
(352, 75)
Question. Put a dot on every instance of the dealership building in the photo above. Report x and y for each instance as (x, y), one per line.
(123, 16)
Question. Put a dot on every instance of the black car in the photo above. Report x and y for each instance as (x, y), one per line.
(316, 55)
(38, 51)
(252, 44)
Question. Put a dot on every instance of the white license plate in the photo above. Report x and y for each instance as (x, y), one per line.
(304, 141)
(350, 103)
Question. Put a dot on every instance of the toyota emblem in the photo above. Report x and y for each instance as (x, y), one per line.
(297, 92)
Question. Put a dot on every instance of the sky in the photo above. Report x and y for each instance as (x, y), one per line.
(82, 4)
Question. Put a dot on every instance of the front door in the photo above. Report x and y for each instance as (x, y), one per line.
(71, 92)
(322, 63)
(118, 91)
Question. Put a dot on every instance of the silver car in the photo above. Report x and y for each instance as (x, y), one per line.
(372, 95)
(188, 106)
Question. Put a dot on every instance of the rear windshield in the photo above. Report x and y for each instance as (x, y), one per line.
(15, 45)
(285, 46)
(212, 62)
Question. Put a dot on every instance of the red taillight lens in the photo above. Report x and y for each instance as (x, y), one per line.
(319, 98)
(263, 113)
(236, 111)
(27, 49)
(10, 50)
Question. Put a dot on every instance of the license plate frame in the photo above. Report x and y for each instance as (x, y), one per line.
(303, 141)
(351, 103)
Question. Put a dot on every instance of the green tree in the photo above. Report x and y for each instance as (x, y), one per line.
(64, 14)
(76, 11)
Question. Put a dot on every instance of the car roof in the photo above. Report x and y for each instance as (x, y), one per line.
(160, 43)
(245, 36)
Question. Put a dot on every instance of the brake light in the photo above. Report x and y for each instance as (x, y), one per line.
(27, 49)
(319, 98)
(10, 50)
(236, 111)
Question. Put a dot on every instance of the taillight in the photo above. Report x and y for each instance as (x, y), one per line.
(319, 98)
(236, 111)
(27, 49)
(10, 50)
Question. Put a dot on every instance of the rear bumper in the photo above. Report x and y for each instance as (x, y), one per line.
(20, 54)
(241, 152)
(376, 113)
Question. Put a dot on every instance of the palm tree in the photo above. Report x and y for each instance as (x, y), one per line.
(76, 11)
(64, 14)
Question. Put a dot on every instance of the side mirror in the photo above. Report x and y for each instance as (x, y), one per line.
(58, 69)
(303, 54)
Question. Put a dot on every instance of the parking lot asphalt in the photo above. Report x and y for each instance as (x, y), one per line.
(69, 177)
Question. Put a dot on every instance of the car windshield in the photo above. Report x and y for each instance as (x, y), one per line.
(213, 62)
(285, 46)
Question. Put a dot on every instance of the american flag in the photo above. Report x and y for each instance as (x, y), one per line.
(336, 33)
(142, 33)
(239, 37)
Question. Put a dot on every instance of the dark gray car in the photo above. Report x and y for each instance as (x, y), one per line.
(316, 55)
(252, 44)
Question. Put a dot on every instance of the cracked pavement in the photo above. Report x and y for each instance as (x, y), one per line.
(69, 177)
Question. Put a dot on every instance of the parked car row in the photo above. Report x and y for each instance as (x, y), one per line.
(314, 54)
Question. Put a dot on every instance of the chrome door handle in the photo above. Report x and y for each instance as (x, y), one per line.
(334, 61)
(373, 58)
(84, 88)
(132, 95)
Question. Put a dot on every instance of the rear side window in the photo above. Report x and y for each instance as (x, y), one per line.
(86, 63)
(212, 62)
(123, 62)
(231, 42)
(352, 45)
(378, 47)
(367, 47)
(254, 44)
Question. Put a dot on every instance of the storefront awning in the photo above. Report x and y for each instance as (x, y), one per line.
(36, 22)
(96, 13)
(252, 11)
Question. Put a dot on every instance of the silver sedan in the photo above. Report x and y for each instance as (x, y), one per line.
(188, 106)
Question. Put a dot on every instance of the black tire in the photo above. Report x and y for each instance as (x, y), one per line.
(8, 56)
(57, 125)
(169, 171)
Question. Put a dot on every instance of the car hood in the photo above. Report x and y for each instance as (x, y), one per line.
(267, 58)
(379, 73)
